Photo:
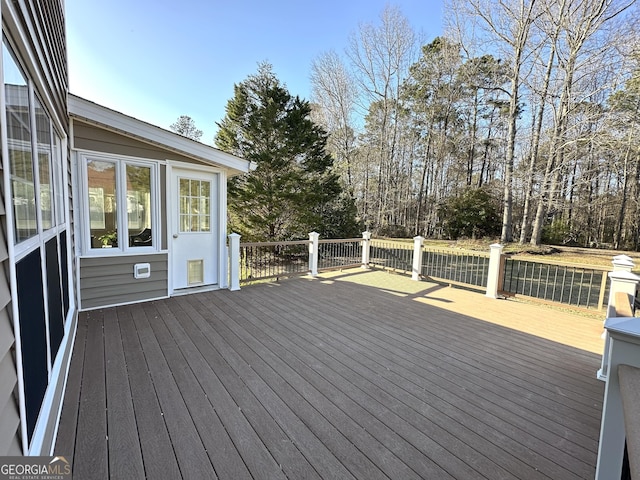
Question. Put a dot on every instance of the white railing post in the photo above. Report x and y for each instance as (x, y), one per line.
(366, 249)
(417, 257)
(493, 275)
(622, 281)
(234, 261)
(313, 253)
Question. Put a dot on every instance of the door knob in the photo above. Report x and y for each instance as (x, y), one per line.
(175, 235)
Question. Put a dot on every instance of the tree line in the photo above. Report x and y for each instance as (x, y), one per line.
(522, 117)
(520, 121)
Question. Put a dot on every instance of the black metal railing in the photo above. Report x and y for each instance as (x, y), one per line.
(578, 286)
(339, 253)
(465, 268)
(265, 260)
(575, 285)
(392, 255)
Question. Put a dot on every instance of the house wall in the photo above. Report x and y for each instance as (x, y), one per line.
(35, 31)
(9, 412)
(96, 139)
(109, 280)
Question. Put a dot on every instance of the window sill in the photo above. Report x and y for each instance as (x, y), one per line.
(116, 252)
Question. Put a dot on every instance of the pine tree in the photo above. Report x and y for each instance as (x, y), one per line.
(293, 189)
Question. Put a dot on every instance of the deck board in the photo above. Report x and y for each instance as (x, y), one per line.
(352, 375)
(66, 436)
(365, 396)
(441, 386)
(407, 400)
(187, 445)
(92, 413)
(208, 367)
(219, 447)
(156, 445)
(256, 405)
(125, 455)
(289, 383)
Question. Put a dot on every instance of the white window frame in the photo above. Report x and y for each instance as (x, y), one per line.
(120, 162)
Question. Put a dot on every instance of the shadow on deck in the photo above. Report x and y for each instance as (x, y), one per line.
(351, 375)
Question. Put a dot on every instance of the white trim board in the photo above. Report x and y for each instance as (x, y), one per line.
(104, 117)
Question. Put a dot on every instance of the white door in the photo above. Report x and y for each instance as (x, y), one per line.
(194, 218)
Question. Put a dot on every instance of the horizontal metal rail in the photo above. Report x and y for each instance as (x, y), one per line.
(573, 285)
(463, 268)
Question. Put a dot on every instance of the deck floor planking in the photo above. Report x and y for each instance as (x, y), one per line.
(351, 375)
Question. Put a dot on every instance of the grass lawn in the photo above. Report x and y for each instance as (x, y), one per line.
(543, 253)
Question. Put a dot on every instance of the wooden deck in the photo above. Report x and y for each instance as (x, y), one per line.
(355, 374)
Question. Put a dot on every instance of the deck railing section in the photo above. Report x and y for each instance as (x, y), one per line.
(265, 260)
(578, 286)
(273, 260)
(465, 268)
(343, 253)
(574, 285)
(393, 255)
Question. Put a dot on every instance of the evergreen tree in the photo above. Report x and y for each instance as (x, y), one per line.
(473, 214)
(293, 189)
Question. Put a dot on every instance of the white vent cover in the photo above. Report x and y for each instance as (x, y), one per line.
(141, 270)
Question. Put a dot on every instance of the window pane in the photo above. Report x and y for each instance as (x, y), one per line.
(58, 181)
(19, 145)
(184, 187)
(139, 205)
(43, 135)
(195, 205)
(195, 188)
(103, 216)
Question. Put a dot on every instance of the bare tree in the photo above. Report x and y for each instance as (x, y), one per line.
(381, 55)
(551, 20)
(334, 93)
(186, 127)
(577, 45)
(506, 25)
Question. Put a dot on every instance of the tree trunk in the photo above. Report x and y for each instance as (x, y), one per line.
(535, 144)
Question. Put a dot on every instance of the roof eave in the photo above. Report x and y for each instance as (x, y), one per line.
(104, 117)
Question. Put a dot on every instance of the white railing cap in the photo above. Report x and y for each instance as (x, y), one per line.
(624, 276)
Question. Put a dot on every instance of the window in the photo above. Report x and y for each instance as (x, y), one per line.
(43, 135)
(195, 210)
(16, 92)
(35, 157)
(139, 205)
(103, 214)
(119, 204)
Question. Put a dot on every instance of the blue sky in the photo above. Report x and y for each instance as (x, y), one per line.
(157, 60)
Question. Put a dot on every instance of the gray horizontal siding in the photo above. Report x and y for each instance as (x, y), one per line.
(10, 443)
(110, 281)
(9, 422)
(89, 137)
(43, 21)
(9, 414)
